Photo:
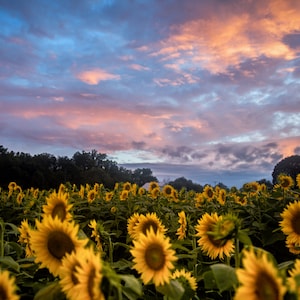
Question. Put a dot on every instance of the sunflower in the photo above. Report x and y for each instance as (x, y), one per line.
(89, 276)
(168, 190)
(126, 186)
(57, 205)
(24, 237)
(153, 258)
(145, 222)
(211, 245)
(298, 180)
(8, 288)
(290, 224)
(124, 195)
(221, 196)
(141, 191)
(20, 197)
(208, 192)
(155, 193)
(109, 196)
(131, 224)
(153, 185)
(181, 231)
(292, 280)
(95, 234)
(285, 181)
(52, 240)
(293, 247)
(91, 196)
(188, 282)
(68, 272)
(259, 278)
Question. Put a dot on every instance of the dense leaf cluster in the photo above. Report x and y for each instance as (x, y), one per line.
(46, 171)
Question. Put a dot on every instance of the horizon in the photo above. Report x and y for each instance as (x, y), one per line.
(206, 88)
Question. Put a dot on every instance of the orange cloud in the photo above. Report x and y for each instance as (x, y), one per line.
(94, 76)
(216, 43)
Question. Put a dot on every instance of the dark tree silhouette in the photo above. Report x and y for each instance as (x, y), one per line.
(289, 166)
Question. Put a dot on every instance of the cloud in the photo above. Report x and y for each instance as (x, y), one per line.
(94, 76)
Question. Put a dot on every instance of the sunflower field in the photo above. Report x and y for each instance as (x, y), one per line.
(131, 242)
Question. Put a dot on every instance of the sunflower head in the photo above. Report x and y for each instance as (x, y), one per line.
(52, 240)
(285, 181)
(187, 281)
(259, 277)
(58, 206)
(8, 288)
(153, 257)
(208, 192)
(290, 224)
(144, 222)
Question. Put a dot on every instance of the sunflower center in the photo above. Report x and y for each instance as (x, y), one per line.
(60, 211)
(266, 288)
(59, 244)
(154, 257)
(148, 225)
(209, 193)
(296, 222)
(3, 293)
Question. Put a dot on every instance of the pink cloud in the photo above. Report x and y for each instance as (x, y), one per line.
(93, 77)
(138, 67)
(215, 43)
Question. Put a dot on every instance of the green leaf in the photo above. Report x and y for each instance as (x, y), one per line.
(9, 262)
(14, 228)
(132, 287)
(50, 292)
(225, 276)
(172, 291)
(244, 237)
(209, 280)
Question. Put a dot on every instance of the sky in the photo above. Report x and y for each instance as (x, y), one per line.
(206, 90)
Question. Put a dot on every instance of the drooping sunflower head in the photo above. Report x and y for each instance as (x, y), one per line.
(8, 287)
(52, 240)
(290, 224)
(209, 242)
(58, 206)
(188, 282)
(181, 231)
(259, 279)
(153, 257)
(145, 222)
(221, 196)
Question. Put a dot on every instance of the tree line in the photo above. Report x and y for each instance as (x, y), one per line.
(45, 171)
